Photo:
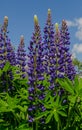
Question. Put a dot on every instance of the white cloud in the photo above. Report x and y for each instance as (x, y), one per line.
(73, 55)
(79, 29)
(70, 23)
(78, 34)
(77, 48)
(79, 23)
(76, 23)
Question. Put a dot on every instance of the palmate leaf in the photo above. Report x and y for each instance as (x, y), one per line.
(66, 84)
(12, 101)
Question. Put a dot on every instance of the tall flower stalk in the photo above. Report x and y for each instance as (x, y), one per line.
(2, 62)
(35, 73)
(59, 54)
(7, 55)
(11, 56)
(49, 51)
(21, 57)
(60, 61)
(6, 46)
(69, 67)
(3, 51)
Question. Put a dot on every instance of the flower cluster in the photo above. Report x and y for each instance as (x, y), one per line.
(11, 57)
(69, 67)
(59, 54)
(2, 62)
(7, 54)
(35, 72)
(49, 50)
(50, 57)
(21, 57)
(7, 51)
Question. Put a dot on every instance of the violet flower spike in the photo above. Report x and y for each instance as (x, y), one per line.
(35, 70)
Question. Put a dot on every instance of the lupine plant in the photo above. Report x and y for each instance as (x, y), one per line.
(32, 99)
(35, 74)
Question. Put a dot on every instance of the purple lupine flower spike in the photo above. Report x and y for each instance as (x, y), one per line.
(8, 51)
(2, 62)
(21, 56)
(49, 51)
(6, 55)
(59, 54)
(69, 67)
(3, 51)
(35, 71)
(11, 57)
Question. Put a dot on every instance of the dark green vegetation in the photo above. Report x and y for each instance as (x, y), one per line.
(62, 112)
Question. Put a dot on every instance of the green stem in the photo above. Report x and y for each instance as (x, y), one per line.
(36, 125)
(58, 126)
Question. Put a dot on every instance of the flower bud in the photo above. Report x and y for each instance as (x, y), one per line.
(56, 27)
(49, 11)
(22, 39)
(5, 21)
(35, 19)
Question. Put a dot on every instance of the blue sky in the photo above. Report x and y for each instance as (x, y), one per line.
(21, 12)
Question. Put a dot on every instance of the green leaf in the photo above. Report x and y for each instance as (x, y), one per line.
(1, 120)
(57, 100)
(56, 116)
(21, 108)
(49, 117)
(66, 85)
(62, 113)
(1, 72)
(76, 84)
(6, 67)
(72, 99)
(42, 114)
(80, 83)
(80, 92)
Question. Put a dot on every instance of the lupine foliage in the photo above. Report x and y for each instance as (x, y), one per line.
(39, 90)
